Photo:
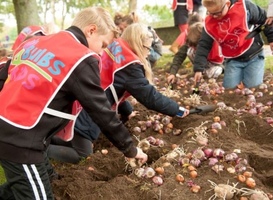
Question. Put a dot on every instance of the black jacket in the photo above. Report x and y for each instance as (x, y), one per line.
(27, 146)
(132, 79)
(256, 15)
(178, 59)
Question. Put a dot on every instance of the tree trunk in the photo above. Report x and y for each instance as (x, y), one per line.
(132, 5)
(26, 13)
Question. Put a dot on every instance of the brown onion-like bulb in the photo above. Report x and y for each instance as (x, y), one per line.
(180, 178)
(247, 174)
(195, 188)
(137, 129)
(216, 119)
(241, 178)
(250, 182)
(159, 170)
(193, 174)
(191, 168)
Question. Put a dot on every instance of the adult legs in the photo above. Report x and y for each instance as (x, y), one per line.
(180, 40)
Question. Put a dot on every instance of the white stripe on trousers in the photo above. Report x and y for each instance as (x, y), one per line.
(33, 185)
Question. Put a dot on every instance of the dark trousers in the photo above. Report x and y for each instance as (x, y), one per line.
(69, 152)
(25, 181)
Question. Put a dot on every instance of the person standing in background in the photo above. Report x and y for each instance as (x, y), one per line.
(181, 11)
(269, 20)
(199, 8)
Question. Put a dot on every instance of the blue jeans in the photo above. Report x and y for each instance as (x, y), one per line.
(250, 72)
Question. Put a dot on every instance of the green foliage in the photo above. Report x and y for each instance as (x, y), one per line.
(2, 176)
(269, 63)
(1, 26)
(6, 7)
(261, 3)
(165, 61)
(161, 12)
(159, 16)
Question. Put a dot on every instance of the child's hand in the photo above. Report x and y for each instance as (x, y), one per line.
(269, 21)
(170, 78)
(141, 156)
(133, 114)
(197, 76)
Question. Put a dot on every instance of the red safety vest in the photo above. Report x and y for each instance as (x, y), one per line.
(187, 3)
(116, 56)
(37, 72)
(231, 30)
(214, 56)
(29, 30)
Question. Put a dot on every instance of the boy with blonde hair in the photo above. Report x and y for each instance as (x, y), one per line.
(228, 22)
(51, 75)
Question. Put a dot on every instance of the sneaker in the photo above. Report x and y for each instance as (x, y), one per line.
(214, 71)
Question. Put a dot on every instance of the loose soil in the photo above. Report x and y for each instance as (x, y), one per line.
(249, 134)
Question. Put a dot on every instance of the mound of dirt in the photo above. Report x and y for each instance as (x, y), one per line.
(245, 128)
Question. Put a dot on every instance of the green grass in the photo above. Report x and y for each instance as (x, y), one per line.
(165, 61)
(2, 176)
(269, 63)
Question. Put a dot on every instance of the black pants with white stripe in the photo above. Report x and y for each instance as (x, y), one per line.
(25, 182)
